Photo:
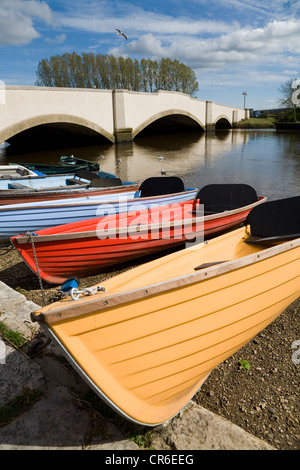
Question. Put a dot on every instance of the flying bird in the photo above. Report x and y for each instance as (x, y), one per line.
(119, 33)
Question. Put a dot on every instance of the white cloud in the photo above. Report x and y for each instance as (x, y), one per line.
(16, 20)
(278, 42)
(101, 17)
(255, 11)
(59, 39)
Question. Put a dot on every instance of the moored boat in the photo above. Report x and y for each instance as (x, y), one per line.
(19, 218)
(70, 160)
(46, 188)
(87, 247)
(68, 164)
(147, 339)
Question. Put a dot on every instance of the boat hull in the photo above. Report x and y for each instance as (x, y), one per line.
(16, 219)
(85, 248)
(148, 341)
(19, 196)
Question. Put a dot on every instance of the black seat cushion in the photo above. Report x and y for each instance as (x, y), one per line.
(104, 182)
(158, 186)
(275, 218)
(222, 197)
(87, 175)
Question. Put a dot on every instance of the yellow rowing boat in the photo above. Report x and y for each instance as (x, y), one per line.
(147, 339)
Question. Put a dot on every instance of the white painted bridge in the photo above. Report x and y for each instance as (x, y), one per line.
(115, 115)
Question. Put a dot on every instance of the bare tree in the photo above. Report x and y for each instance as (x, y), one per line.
(289, 96)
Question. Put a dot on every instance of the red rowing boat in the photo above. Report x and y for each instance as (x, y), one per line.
(85, 248)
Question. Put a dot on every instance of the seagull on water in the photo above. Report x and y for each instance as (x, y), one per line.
(119, 33)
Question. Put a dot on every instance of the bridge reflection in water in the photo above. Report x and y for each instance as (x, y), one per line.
(265, 159)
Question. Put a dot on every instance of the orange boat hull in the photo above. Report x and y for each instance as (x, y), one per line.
(82, 248)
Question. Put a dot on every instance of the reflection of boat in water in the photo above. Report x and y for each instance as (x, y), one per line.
(147, 339)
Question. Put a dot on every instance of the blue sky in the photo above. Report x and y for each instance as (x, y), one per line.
(232, 45)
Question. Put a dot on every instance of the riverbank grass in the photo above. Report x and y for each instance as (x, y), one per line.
(13, 337)
(256, 123)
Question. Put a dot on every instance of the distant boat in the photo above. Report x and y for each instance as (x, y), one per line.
(146, 340)
(18, 218)
(89, 246)
(69, 164)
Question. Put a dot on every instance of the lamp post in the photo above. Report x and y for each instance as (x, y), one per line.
(245, 94)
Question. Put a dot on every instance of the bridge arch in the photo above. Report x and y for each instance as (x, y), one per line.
(223, 122)
(76, 126)
(175, 115)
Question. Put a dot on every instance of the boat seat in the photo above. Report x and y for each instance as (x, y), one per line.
(104, 182)
(225, 197)
(87, 175)
(158, 186)
(19, 186)
(71, 181)
(274, 221)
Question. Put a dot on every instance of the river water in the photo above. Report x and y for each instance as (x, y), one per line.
(267, 160)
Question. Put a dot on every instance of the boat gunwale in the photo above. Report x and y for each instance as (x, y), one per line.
(24, 238)
(68, 189)
(85, 306)
(35, 206)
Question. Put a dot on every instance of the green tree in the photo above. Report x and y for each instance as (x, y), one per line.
(44, 73)
(109, 72)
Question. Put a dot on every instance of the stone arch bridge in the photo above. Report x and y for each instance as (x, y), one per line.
(112, 116)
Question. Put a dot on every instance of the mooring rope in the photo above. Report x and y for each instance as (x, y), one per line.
(37, 268)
